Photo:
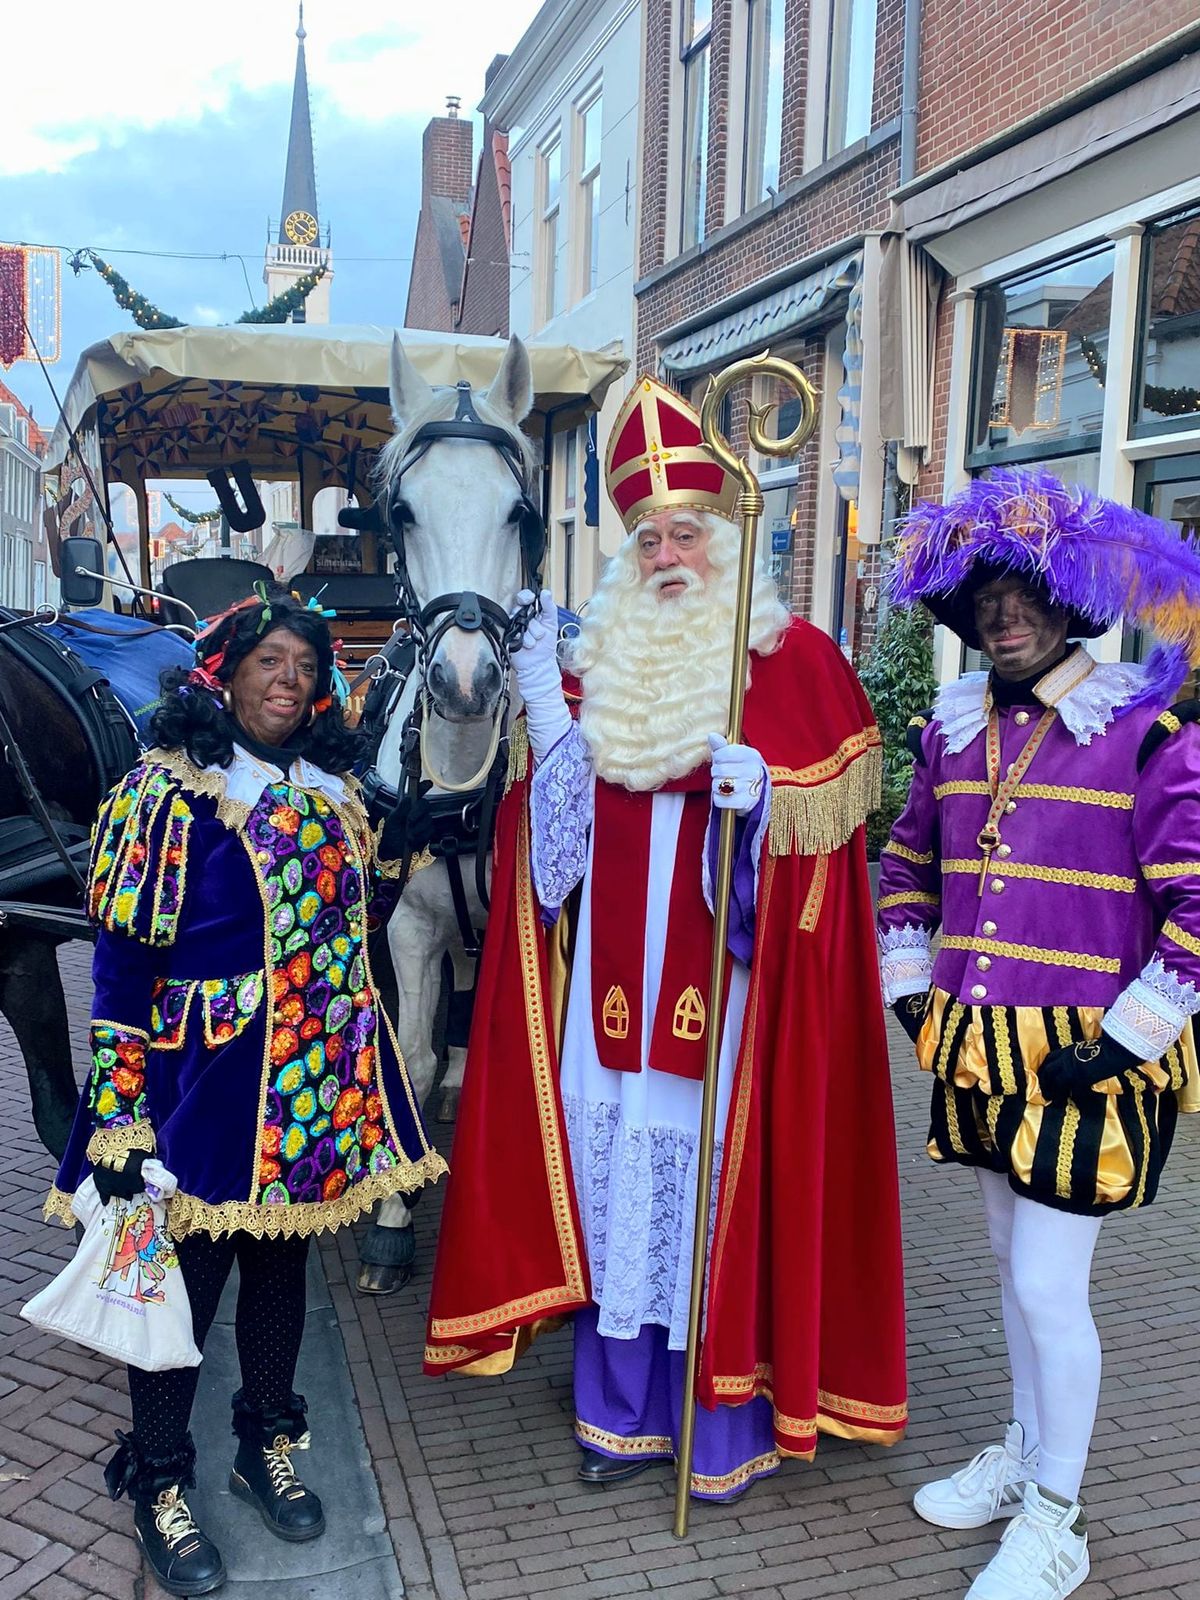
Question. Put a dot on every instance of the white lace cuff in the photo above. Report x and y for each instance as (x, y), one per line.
(560, 805)
(1149, 1015)
(907, 965)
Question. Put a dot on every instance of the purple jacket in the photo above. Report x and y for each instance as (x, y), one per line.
(1093, 895)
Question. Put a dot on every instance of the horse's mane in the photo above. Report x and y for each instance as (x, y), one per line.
(441, 406)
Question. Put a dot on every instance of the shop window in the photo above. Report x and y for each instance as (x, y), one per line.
(764, 100)
(1169, 387)
(1041, 348)
(694, 52)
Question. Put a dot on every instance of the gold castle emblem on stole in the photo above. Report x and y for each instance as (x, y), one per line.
(690, 1014)
(614, 1014)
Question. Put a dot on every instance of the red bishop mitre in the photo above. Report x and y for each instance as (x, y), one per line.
(658, 460)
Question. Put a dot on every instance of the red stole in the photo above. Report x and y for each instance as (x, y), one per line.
(620, 882)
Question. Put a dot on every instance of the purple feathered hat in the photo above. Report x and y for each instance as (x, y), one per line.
(1101, 562)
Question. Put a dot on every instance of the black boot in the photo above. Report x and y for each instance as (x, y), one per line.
(263, 1475)
(182, 1557)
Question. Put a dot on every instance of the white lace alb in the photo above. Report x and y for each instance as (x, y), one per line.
(636, 1188)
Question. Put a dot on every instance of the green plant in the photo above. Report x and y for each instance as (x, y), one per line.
(897, 674)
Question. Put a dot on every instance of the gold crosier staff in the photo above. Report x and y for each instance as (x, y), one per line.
(750, 506)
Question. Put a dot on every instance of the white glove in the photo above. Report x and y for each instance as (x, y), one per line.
(539, 677)
(738, 775)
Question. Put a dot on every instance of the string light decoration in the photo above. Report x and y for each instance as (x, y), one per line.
(1029, 381)
(148, 315)
(143, 311)
(30, 303)
(1163, 401)
(194, 517)
(281, 307)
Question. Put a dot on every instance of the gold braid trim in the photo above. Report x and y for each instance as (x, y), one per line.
(1114, 882)
(518, 754)
(1172, 869)
(1181, 937)
(232, 813)
(1031, 952)
(816, 818)
(923, 858)
(105, 1143)
(187, 1214)
(57, 1208)
(915, 897)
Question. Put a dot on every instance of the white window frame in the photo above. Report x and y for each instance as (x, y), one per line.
(694, 49)
(586, 228)
(550, 242)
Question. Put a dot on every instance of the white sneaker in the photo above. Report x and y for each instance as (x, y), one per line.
(990, 1486)
(1040, 1557)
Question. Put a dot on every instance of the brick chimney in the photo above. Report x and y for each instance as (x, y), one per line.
(446, 157)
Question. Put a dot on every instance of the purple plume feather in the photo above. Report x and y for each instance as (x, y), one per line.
(1100, 560)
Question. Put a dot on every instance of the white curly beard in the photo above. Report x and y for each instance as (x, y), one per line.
(656, 673)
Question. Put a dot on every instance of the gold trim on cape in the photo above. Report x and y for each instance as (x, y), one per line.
(815, 810)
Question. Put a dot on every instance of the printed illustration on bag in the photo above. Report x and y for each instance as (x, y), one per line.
(139, 1256)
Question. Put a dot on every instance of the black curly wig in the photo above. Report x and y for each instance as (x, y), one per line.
(191, 716)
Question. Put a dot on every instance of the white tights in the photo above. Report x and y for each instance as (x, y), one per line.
(1045, 1262)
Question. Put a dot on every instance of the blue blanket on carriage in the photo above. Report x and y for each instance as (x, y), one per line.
(132, 665)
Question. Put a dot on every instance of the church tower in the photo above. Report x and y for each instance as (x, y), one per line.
(296, 248)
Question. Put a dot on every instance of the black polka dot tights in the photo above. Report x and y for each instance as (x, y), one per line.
(269, 1326)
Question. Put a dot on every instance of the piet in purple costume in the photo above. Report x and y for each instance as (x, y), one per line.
(1054, 837)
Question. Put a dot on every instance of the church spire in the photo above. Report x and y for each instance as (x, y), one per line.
(300, 179)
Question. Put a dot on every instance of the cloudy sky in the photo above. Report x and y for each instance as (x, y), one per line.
(144, 126)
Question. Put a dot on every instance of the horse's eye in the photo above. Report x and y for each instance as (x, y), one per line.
(402, 513)
(515, 515)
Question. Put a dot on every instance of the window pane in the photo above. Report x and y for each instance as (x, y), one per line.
(550, 265)
(1041, 343)
(697, 16)
(591, 137)
(764, 100)
(1171, 351)
(593, 265)
(552, 163)
(570, 468)
(851, 72)
(695, 147)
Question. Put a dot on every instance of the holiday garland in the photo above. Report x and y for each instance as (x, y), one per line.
(147, 315)
(1180, 402)
(143, 312)
(192, 516)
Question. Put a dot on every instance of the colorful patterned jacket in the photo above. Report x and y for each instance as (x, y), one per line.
(1091, 895)
(236, 1028)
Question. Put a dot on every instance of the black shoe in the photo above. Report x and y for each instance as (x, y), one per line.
(603, 1470)
(263, 1475)
(182, 1557)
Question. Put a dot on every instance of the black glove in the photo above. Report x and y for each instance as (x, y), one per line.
(120, 1182)
(1076, 1067)
(910, 1011)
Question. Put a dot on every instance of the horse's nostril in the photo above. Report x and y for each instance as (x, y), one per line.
(437, 678)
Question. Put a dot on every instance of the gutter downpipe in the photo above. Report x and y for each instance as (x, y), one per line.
(910, 91)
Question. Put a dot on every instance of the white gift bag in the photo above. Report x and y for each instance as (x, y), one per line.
(122, 1293)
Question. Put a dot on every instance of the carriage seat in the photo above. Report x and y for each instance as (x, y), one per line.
(211, 584)
(28, 859)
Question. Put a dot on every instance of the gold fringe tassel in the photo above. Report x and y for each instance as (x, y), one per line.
(518, 754)
(820, 818)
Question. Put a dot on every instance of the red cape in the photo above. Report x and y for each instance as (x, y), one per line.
(805, 1292)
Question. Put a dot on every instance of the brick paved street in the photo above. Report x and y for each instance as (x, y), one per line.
(477, 1477)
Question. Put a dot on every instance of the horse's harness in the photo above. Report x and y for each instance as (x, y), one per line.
(460, 821)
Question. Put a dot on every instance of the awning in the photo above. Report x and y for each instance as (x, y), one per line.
(1130, 114)
(177, 401)
(765, 322)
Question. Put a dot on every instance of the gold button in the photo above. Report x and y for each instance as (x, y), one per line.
(997, 885)
(978, 992)
(989, 928)
(1021, 718)
(262, 856)
(1004, 849)
(983, 962)
(1011, 806)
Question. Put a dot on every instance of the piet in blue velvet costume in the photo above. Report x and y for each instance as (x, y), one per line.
(237, 1031)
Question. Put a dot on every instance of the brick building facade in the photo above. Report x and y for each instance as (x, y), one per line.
(768, 162)
(440, 247)
(1057, 191)
(483, 302)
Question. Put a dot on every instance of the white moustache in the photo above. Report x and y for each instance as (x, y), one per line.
(683, 575)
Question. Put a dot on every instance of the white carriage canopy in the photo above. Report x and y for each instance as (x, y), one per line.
(301, 401)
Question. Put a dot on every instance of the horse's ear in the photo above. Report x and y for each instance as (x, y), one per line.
(407, 389)
(511, 393)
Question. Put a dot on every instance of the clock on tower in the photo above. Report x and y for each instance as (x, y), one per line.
(301, 227)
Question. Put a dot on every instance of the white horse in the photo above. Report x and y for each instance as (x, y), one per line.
(457, 510)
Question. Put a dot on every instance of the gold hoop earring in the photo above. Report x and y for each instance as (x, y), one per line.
(227, 699)
(312, 715)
